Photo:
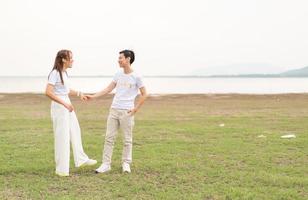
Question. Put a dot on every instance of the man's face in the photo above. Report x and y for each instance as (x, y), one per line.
(123, 61)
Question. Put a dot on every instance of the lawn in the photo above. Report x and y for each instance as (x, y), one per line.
(184, 147)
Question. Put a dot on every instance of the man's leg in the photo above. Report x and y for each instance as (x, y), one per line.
(111, 132)
(127, 124)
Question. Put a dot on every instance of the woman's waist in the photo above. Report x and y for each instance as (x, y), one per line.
(63, 97)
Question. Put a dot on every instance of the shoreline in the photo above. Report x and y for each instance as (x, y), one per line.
(176, 94)
(166, 98)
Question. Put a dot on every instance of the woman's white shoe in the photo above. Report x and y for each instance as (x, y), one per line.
(62, 174)
(89, 162)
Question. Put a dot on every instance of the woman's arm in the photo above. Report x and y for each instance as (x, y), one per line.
(107, 90)
(77, 93)
(74, 92)
(49, 93)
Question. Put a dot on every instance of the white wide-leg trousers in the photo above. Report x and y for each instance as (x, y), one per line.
(66, 129)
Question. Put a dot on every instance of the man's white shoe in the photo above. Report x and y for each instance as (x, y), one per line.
(126, 168)
(89, 162)
(103, 168)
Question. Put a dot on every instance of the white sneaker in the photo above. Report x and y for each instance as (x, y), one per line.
(103, 168)
(126, 167)
(62, 174)
(89, 162)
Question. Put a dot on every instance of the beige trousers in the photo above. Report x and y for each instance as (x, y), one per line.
(119, 119)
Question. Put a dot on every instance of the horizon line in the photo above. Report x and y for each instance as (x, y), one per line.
(176, 76)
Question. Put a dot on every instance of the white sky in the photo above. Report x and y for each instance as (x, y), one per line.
(170, 37)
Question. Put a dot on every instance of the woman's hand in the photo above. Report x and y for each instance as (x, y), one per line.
(69, 107)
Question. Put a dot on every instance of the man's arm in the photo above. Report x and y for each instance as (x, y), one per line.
(142, 98)
(107, 90)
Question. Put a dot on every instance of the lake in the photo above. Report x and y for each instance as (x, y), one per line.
(168, 85)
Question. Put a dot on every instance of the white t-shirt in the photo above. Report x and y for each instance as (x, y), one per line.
(127, 86)
(55, 79)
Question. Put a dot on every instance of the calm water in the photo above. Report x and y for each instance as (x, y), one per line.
(168, 85)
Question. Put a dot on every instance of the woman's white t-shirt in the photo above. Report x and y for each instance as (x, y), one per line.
(55, 80)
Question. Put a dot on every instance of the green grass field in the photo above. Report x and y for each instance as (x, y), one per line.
(180, 151)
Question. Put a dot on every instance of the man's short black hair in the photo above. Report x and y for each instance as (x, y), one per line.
(128, 53)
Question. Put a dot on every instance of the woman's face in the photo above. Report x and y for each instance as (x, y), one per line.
(68, 63)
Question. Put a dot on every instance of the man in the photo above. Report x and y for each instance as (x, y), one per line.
(122, 111)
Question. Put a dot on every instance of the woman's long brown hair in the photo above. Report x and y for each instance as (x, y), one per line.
(62, 54)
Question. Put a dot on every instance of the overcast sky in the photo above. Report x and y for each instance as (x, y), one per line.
(170, 37)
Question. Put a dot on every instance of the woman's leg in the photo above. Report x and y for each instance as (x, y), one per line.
(80, 156)
(60, 117)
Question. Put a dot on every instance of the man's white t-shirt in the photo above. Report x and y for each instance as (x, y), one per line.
(127, 86)
(55, 79)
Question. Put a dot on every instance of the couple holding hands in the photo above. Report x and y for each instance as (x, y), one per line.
(121, 116)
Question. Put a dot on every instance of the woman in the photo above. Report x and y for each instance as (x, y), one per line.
(65, 124)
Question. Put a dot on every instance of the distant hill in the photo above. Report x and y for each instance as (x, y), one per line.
(302, 72)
